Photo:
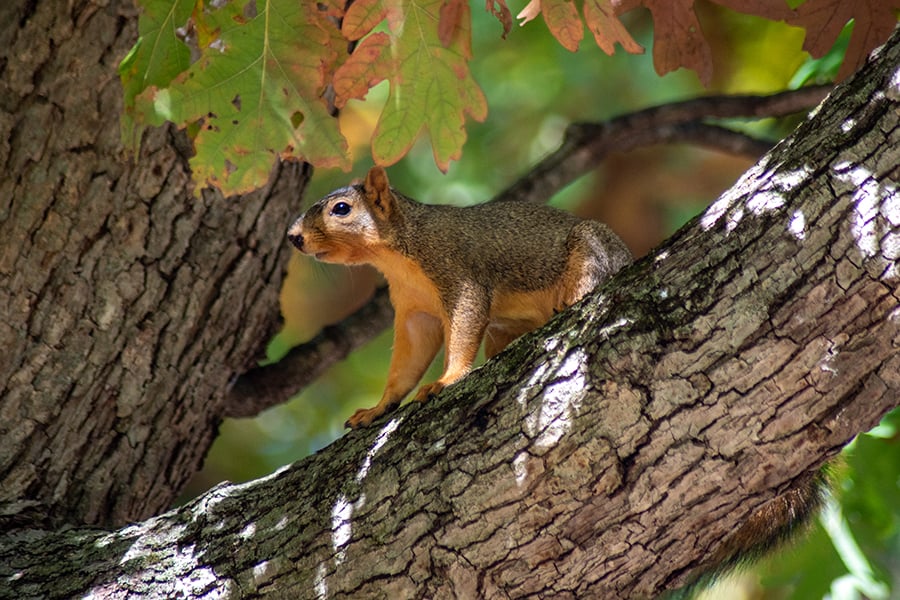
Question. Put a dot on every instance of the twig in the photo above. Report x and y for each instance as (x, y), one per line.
(269, 385)
(585, 145)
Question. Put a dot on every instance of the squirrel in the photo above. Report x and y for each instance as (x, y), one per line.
(455, 275)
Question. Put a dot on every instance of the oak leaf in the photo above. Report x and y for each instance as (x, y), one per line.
(256, 91)
(430, 83)
(499, 9)
(454, 17)
(157, 58)
(601, 19)
(678, 39)
(563, 22)
(823, 20)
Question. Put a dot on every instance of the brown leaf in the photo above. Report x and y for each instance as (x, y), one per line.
(623, 6)
(362, 70)
(454, 14)
(333, 8)
(774, 10)
(499, 9)
(602, 21)
(678, 40)
(564, 22)
(874, 20)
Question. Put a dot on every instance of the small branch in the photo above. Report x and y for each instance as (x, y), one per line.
(585, 145)
(270, 385)
(714, 137)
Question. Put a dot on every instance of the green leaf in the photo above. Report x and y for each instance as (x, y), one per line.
(156, 58)
(257, 91)
(430, 83)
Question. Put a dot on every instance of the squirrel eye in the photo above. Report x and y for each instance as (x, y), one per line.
(340, 209)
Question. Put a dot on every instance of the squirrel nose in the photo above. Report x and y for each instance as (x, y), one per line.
(297, 240)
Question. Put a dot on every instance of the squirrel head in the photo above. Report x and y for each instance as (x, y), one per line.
(349, 225)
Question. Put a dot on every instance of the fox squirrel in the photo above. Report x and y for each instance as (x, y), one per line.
(457, 275)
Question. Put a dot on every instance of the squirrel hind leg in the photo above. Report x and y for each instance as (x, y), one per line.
(595, 253)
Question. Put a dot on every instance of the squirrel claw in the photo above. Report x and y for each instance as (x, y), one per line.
(363, 417)
(429, 390)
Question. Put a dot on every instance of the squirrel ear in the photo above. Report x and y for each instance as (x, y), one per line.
(378, 190)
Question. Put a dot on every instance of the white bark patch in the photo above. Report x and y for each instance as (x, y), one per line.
(865, 210)
(770, 195)
(520, 468)
(341, 531)
(192, 577)
(561, 398)
(247, 532)
(791, 180)
(826, 363)
(734, 218)
(380, 441)
(198, 579)
(872, 198)
(797, 226)
(260, 570)
(342, 511)
(893, 90)
(604, 332)
(765, 201)
(715, 211)
(319, 584)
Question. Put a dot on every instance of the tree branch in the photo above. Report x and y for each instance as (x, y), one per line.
(585, 145)
(266, 386)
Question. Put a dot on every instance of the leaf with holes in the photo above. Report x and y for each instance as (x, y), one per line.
(256, 91)
(157, 58)
(499, 9)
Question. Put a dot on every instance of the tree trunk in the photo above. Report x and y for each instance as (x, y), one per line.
(608, 455)
(126, 305)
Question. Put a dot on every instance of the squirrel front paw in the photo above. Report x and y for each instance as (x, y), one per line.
(364, 416)
(428, 390)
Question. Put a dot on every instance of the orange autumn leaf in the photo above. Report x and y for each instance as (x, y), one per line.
(601, 19)
(678, 39)
(563, 22)
(453, 22)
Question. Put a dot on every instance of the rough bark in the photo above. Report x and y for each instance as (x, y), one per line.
(607, 455)
(126, 305)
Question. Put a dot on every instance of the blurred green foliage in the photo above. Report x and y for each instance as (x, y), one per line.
(534, 89)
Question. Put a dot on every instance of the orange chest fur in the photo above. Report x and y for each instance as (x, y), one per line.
(412, 290)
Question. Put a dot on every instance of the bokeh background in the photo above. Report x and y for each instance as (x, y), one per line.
(535, 88)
